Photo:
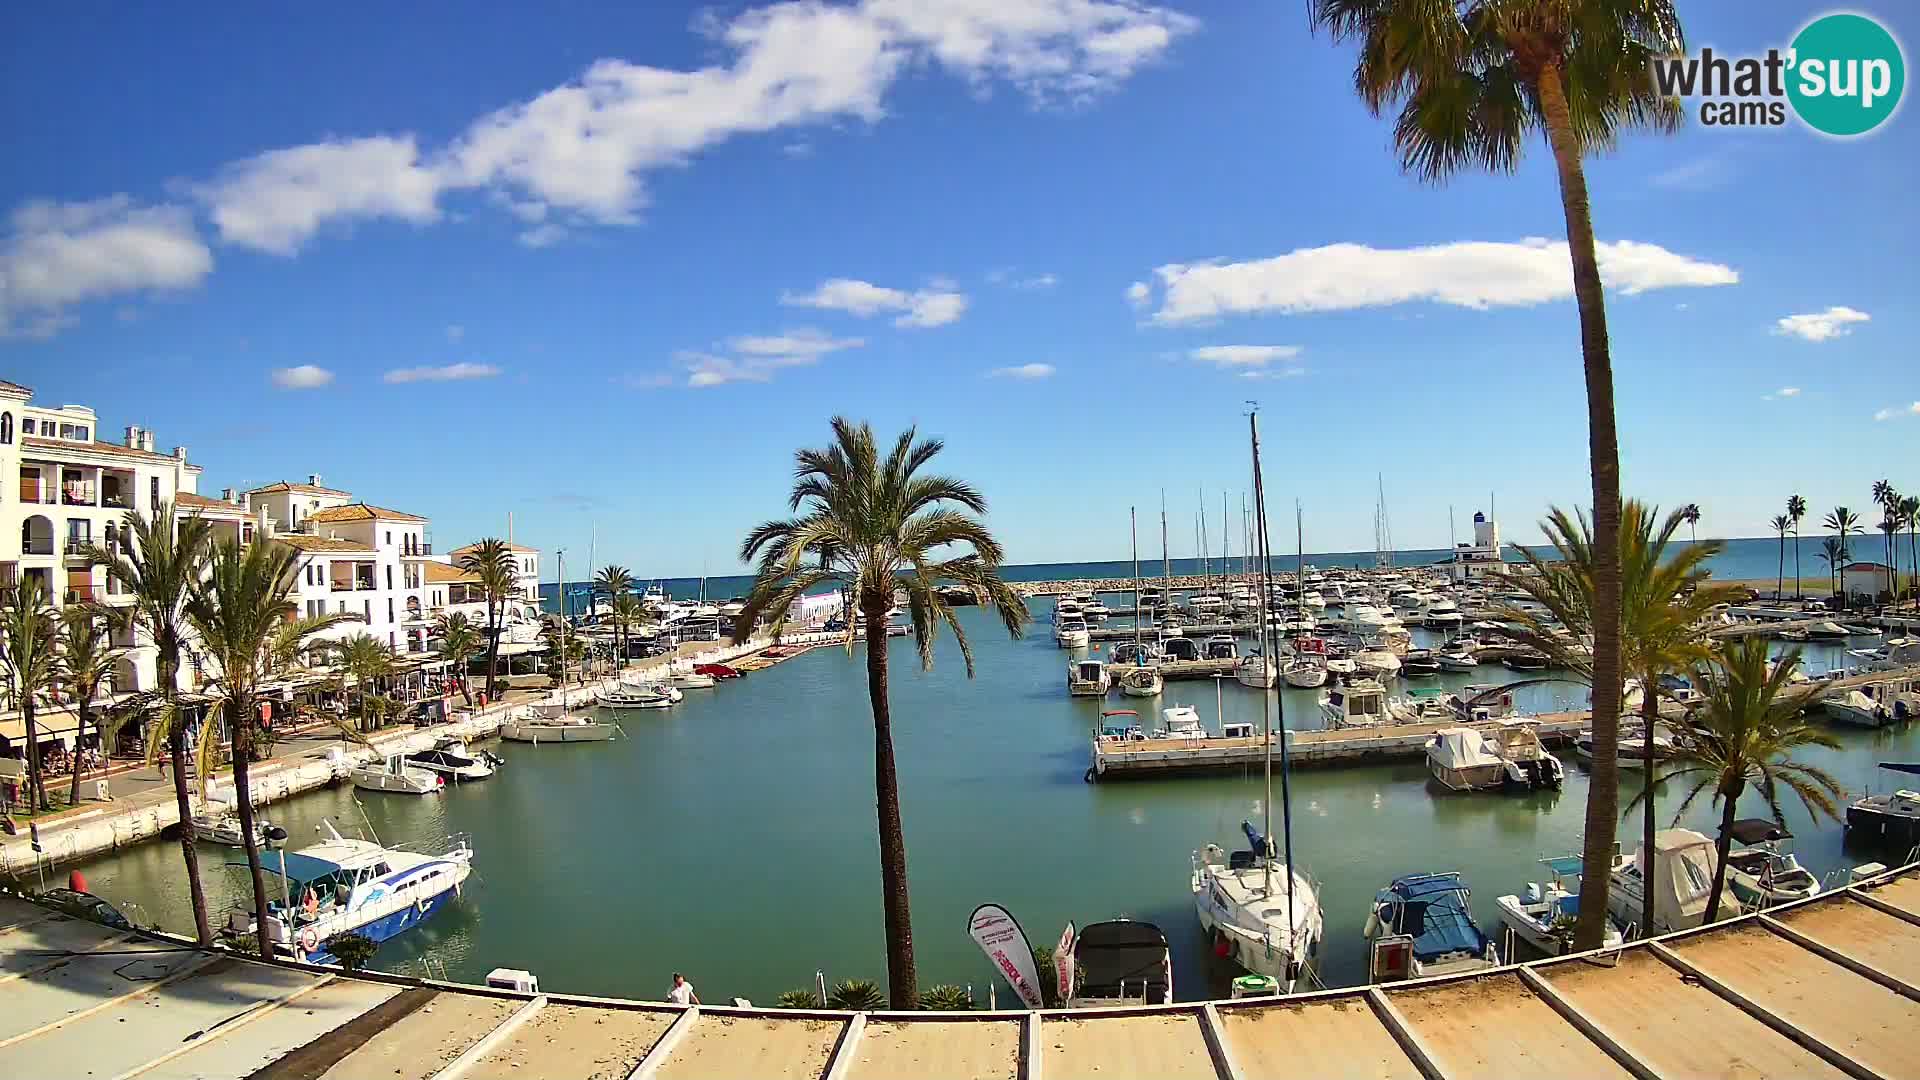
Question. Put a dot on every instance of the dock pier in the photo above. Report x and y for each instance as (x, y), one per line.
(1340, 746)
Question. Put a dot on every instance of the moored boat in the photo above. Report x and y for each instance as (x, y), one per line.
(1261, 914)
(564, 728)
(1682, 871)
(1890, 818)
(1120, 962)
(1760, 873)
(1088, 678)
(1141, 682)
(1360, 703)
(1421, 925)
(397, 776)
(1544, 914)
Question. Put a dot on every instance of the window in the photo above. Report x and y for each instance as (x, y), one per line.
(389, 570)
(389, 537)
(6, 427)
(153, 493)
(366, 610)
(82, 433)
(26, 425)
(389, 609)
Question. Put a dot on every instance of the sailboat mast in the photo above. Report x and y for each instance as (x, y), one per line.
(1166, 562)
(1300, 561)
(1226, 544)
(560, 575)
(1273, 695)
(1133, 531)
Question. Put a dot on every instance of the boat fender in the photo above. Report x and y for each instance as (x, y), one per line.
(1222, 948)
(421, 905)
(309, 941)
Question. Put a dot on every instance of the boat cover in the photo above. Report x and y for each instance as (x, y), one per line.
(1432, 909)
(1461, 748)
(1757, 831)
(1107, 954)
(298, 869)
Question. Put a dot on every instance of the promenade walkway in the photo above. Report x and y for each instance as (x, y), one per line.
(1828, 987)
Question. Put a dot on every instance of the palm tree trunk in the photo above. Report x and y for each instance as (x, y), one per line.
(189, 853)
(36, 783)
(1649, 712)
(1603, 448)
(493, 649)
(1796, 562)
(901, 991)
(1720, 847)
(83, 713)
(240, 725)
(1780, 582)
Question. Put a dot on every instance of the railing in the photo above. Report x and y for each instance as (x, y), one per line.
(78, 545)
(116, 502)
(82, 594)
(37, 547)
(412, 550)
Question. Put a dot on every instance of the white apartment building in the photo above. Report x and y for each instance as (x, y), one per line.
(451, 589)
(61, 489)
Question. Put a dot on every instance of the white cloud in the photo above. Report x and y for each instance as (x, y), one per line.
(936, 306)
(1244, 355)
(809, 343)
(456, 332)
(1783, 392)
(1023, 371)
(57, 255)
(304, 377)
(1820, 326)
(277, 200)
(545, 235)
(1472, 274)
(1888, 414)
(798, 149)
(654, 381)
(1268, 373)
(750, 358)
(1139, 294)
(443, 373)
(1700, 174)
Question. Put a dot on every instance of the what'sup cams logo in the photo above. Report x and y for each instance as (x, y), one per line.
(1842, 76)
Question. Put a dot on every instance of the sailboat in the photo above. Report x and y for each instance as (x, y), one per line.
(551, 722)
(1260, 912)
(1306, 669)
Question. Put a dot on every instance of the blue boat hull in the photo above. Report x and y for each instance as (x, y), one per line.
(389, 927)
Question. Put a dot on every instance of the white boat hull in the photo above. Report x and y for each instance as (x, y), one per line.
(412, 782)
(530, 731)
(1306, 676)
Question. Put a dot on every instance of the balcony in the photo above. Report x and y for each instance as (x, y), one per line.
(77, 493)
(420, 550)
(79, 594)
(116, 501)
(76, 546)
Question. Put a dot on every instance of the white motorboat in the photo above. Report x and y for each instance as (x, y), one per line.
(395, 775)
(1499, 754)
(1682, 877)
(1313, 601)
(630, 695)
(454, 759)
(1072, 633)
(1380, 663)
(341, 886)
(1456, 658)
(1095, 612)
(531, 727)
(223, 827)
(1826, 631)
(1361, 703)
(1760, 873)
(1141, 682)
(1180, 722)
(1253, 670)
(1422, 705)
(1119, 963)
(1265, 916)
(1305, 671)
(1442, 614)
(687, 680)
(1857, 708)
(1088, 678)
(1891, 818)
(1221, 647)
(1544, 915)
(1422, 925)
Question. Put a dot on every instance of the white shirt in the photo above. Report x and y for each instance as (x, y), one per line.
(682, 994)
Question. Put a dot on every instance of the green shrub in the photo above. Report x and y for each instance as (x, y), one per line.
(808, 998)
(352, 950)
(857, 995)
(947, 998)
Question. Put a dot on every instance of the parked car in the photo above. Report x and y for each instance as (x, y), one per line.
(87, 906)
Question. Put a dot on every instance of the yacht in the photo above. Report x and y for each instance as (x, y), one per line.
(531, 726)
(1422, 705)
(1313, 601)
(1892, 818)
(1121, 962)
(1180, 722)
(343, 886)
(1095, 612)
(1420, 663)
(1088, 678)
(454, 759)
(1682, 877)
(223, 827)
(1502, 754)
(1857, 708)
(1175, 647)
(397, 776)
(1525, 660)
(1253, 670)
(1544, 915)
(1141, 682)
(1442, 614)
(1361, 703)
(1760, 874)
(1378, 662)
(1422, 925)
(1221, 647)
(1457, 657)
(1072, 633)
(1258, 912)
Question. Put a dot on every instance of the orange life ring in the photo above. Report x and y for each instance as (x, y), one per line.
(309, 941)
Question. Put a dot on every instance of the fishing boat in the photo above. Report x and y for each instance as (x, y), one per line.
(1120, 962)
(396, 776)
(223, 827)
(1683, 864)
(1891, 818)
(1088, 678)
(1544, 914)
(1360, 703)
(1141, 682)
(356, 886)
(1422, 925)
(1180, 722)
(1253, 670)
(1759, 872)
(454, 759)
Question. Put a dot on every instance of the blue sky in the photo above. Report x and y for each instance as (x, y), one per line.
(606, 268)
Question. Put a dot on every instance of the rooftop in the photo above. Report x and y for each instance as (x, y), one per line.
(439, 573)
(303, 489)
(14, 387)
(304, 542)
(360, 512)
(187, 499)
(97, 447)
(510, 547)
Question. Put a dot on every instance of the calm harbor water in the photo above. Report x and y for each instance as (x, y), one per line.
(732, 837)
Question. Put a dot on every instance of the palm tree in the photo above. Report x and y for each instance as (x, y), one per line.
(492, 561)
(1796, 511)
(1664, 603)
(1888, 499)
(1910, 513)
(86, 661)
(628, 612)
(1835, 555)
(1472, 81)
(1744, 733)
(240, 612)
(28, 666)
(1781, 523)
(1843, 521)
(1690, 514)
(159, 566)
(459, 644)
(614, 582)
(363, 658)
(871, 526)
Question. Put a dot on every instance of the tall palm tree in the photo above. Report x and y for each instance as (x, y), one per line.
(1664, 604)
(1835, 555)
(85, 662)
(363, 658)
(492, 561)
(459, 644)
(874, 525)
(1781, 523)
(1690, 514)
(614, 582)
(239, 612)
(159, 565)
(28, 666)
(1910, 513)
(1796, 512)
(1843, 521)
(628, 613)
(1888, 499)
(1745, 732)
(1472, 81)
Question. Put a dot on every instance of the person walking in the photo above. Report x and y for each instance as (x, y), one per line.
(682, 991)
